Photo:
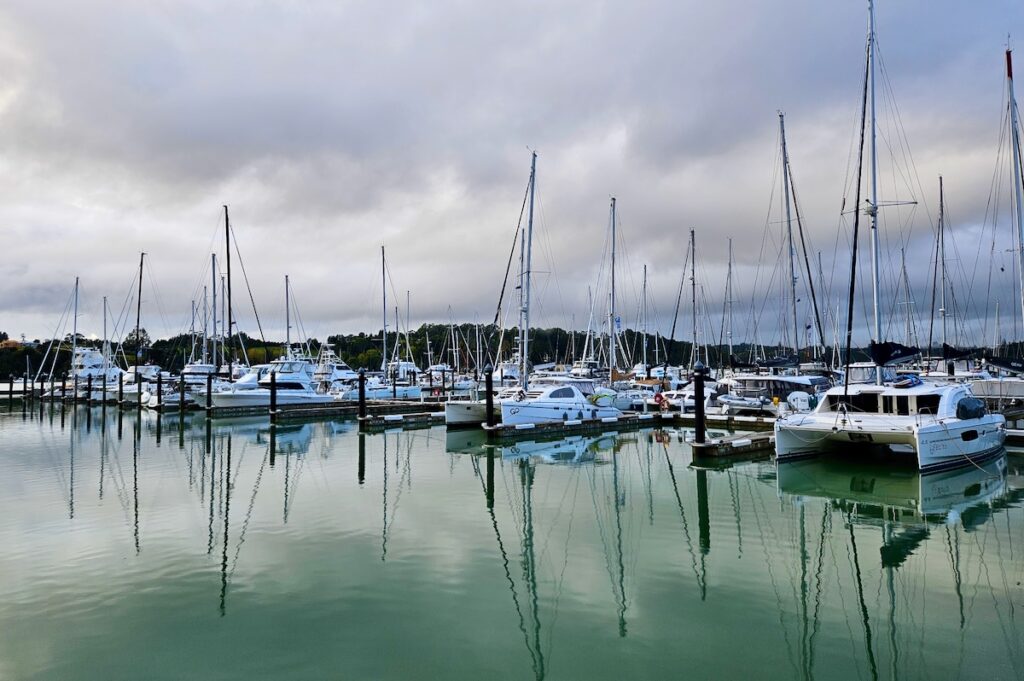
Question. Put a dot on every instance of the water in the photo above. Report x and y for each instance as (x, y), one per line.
(198, 553)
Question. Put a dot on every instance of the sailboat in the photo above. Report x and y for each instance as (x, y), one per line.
(474, 412)
(941, 425)
(1009, 385)
(292, 377)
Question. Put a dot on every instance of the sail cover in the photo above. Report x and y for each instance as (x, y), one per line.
(885, 354)
(779, 362)
(949, 352)
(1007, 364)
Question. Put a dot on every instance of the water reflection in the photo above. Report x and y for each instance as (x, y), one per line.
(590, 556)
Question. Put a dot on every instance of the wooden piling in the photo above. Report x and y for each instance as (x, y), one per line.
(273, 397)
(362, 393)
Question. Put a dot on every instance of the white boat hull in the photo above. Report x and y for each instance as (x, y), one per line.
(260, 397)
(465, 413)
(936, 443)
(514, 412)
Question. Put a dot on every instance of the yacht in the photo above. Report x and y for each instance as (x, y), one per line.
(942, 425)
(770, 394)
(294, 384)
(553, 403)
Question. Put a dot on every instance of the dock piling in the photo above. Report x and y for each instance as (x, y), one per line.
(699, 371)
(489, 394)
(120, 388)
(159, 391)
(10, 389)
(88, 389)
(362, 394)
(273, 397)
(209, 394)
(74, 396)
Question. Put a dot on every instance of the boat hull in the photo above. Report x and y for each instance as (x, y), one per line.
(514, 412)
(260, 397)
(937, 444)
(465, 413)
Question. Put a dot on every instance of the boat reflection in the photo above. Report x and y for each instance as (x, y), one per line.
(574, 449)
(874, 493)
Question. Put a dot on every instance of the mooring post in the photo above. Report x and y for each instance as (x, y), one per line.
(209, 394)
(159, 391)
(88, 389)
(181, 397)
(273, 397)
(103, 397)
(26, 388)
(394, 384)
(430, 380)
(362, 395)
(64, 386)
(74, 395)
(489, 394)
(698, 401)
(10, 389)
(120, 388)
(362, 457)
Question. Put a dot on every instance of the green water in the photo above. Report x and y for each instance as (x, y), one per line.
(132, 551)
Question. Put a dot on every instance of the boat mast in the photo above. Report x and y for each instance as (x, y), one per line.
(942, 259)
(213, 307)
(611, 306)
(1015, 148)
(384, 289)
(728, 301)
(287, 320)
(223, 317)
(74, 329)
(408, 322)
(789, 234)
(872, 209)
(138, 321)
(206, 317)
(106, 345)
(524, 343)
(227, 246)
(693, 294)
(644, 347)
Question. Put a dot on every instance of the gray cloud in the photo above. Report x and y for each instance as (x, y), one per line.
(331, 128)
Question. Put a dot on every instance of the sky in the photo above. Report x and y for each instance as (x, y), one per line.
(333, 128)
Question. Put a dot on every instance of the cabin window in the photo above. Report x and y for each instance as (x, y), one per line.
(859, 402)
(928, 404)
(887, 404)
(562, 393)
(969, 435)
(902, 405)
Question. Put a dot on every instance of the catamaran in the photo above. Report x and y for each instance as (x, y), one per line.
(942, 425)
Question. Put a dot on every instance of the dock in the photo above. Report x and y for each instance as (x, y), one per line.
(747, 446)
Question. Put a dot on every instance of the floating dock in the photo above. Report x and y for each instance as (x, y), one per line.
(747, 446)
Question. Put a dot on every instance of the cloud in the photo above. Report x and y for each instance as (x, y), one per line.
(331, 128)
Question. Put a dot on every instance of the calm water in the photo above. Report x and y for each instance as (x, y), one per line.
(132, 552)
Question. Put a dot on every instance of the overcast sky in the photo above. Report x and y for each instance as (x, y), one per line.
(331, 128)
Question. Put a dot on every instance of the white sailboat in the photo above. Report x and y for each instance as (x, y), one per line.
(941, 425)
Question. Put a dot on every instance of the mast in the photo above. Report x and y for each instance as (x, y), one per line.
(74, 329)
(223, 317)
(524, 344)
(384, 289)
(789, 234)
(942, 259)
(644, 347)
(611, 306)
(213, 308)
(106, 345)
(206, 317)
(408, 322)
(227, 246)
(1017, 191)
(287, 319)
(872, 208)
(138, 321)
(693, 294)
(728, 301)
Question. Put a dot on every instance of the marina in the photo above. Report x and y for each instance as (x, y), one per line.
(480, 341)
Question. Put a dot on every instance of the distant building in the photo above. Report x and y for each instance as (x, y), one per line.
(10, 344)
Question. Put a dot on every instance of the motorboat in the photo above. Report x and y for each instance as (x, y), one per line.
(769, 394)
(553, 403)
(941, 425)
(293, 383)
